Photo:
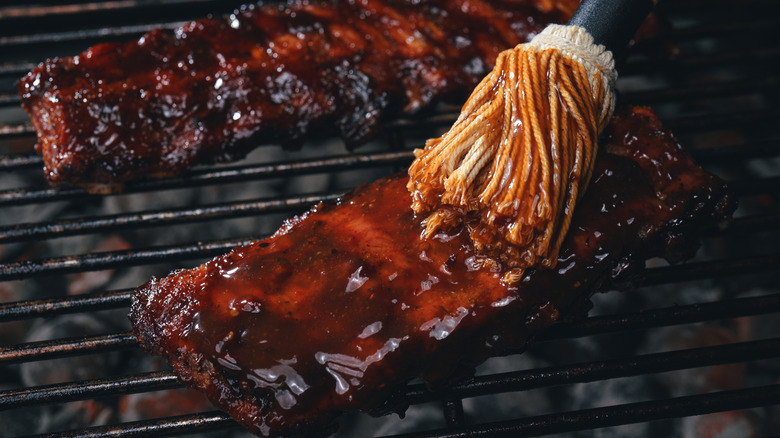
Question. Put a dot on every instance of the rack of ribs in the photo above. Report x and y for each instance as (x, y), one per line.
(345, 304)
(216, 88)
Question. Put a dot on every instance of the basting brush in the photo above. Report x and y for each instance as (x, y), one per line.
(521, 153)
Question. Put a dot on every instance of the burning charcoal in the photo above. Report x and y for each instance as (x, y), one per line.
(665, 295)
(502, 406)
(734, 424)
(692, 381)
(84, 282)
(25, 213)
(698, 380)
(165, 403)
(81, 414)
(13, 331)
(760, 327)
(141, 406)
(67, 369)
(415, 419)
(608, 393)
(19, 422)
(171, 402)
(773, 416)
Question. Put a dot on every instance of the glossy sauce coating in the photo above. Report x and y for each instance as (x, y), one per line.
(218, 87)
(345, 304)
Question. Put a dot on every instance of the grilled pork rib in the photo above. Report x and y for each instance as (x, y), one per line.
(217, 87)
(345, 304)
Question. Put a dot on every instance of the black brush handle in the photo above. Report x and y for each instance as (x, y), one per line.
(612, 22)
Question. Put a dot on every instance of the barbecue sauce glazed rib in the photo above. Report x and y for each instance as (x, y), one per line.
(216, 88)
(346, 303)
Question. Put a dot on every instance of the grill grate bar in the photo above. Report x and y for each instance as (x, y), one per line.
(711, 269)
(756, 186)
(88, 389)
(730, 29)
(16, 68)
(178, 425)
(242, 174)
(756, 54)
(81, 8)
(118, 259)
(539, 425)
(587, 419)
(95, 224)
(453, 413)
(86, 34)
(559, 422)
(744, 57)
(733, 153)
(668, 94)
(698, 91)
(17, 162)
(64, 228)
(71, 304)
(590, 326)
(416, 394)
(654, 318)
(15, 197)
(601, 370)
(32, 231)
(717, 121)
(753, 224)
(66, 347)
(9, 100)
(663, 317)
(695, 31)
(697, 7)
(726, 154)
(12, 130)
(699, 122)
(646, 97)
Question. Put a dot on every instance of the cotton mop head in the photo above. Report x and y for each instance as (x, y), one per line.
(521, 152)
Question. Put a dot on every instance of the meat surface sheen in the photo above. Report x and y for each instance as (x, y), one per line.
(345, 304)
(216, 88)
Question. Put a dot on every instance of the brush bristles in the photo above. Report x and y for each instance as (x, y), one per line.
(522, 150)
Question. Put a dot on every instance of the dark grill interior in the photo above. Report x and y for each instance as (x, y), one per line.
(692, 339)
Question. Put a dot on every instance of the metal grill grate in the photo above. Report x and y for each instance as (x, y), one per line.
(710, 77)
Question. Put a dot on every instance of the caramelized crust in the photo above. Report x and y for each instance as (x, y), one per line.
(217, 87)
(345, 304)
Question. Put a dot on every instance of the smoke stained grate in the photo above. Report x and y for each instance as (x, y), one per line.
(691, 352)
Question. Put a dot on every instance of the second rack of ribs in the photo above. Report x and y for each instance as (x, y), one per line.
(217, 87)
